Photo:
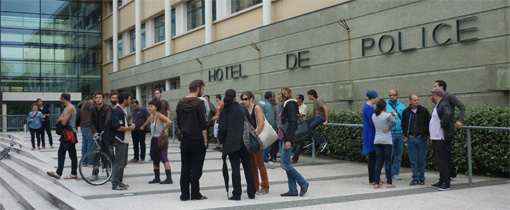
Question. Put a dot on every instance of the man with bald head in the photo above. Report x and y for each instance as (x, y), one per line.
(396, 108)
(415, 125)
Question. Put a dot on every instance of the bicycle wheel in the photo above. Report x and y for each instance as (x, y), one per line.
(102, 168)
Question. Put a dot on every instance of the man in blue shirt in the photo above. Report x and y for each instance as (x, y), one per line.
(119, 123)
(396, 108)
(267, 108)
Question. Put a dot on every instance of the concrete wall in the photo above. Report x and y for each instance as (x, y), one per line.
(477, 71)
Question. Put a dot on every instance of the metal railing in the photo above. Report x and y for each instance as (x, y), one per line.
(19, 122)
(468, 130)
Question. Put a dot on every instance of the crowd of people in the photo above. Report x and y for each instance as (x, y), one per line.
(385, 130)
(391, 124)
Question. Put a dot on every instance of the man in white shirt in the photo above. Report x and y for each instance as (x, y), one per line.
(302, 114)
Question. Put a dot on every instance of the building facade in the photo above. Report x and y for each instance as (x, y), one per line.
(341, 50)
(48, 47)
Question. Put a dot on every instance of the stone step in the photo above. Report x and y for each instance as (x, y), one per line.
(8, 201)
(33, 174)
(20, 190)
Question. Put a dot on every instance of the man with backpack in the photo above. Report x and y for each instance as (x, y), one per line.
(98, 114)
(84, 121)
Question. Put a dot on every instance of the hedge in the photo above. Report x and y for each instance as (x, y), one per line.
(490, 148)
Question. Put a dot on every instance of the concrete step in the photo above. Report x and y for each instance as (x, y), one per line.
(20, 190)
(8, 201)
(33, 173)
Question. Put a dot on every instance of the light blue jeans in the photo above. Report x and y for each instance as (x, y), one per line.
(396, 152)
(417, 151)
(293, 176)
(87, 144)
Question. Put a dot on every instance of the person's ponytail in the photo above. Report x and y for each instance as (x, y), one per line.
(380, 106)
(228, 100)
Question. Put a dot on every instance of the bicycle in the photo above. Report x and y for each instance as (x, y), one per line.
(102, 164)
(6, 150)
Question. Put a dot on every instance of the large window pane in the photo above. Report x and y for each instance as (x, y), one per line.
(20, 37)
(173, 22)
(159, 28)
(25, 6)
(19, 20)
(120, 46)
(12, 52)
(196, 13)
(238, 5)
(13, 69)
(31, 84)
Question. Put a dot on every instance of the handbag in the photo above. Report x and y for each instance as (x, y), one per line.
(268, 136)
(302, 130)
(251, 140)
(162, 141)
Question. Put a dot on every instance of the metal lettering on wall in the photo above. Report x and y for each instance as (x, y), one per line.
(296, 61)
(227, 72)
(368, 43)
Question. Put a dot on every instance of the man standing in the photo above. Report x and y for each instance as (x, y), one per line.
(369, 133)
(441, 128)
(87, 143)
(46, 122)
(98, 114)
(267, 109)
(114, 98)
(165, 106)
(302, 113)
(120, 125)
(396, 108)
(212, 113)
(415, 125)
(192, 124)
(140, 115)
(454, 102)
(215, 119)
(320, 116)
(68, 117)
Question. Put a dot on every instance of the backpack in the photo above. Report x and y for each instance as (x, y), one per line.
(108, 132)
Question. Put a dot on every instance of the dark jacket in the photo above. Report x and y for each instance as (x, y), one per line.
(423, 120)
(99, 117)
(445, 113)
(290, 114)
(231, 127)
(191, 118)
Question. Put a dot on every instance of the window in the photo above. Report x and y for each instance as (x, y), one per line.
(196, 13)
(120, 46)
(110, 45)
(109, 7)
(119, 4)
(133, 38)
(238, 5)
(173, 22)
(159, 29)
(175, 84)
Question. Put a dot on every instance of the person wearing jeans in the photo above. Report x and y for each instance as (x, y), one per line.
(415, 124)
(396, 108)
(320, 116)
(383, 123)
(87, 142)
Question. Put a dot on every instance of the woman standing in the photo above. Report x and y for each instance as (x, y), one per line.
(35, 126)
(382, 142)
(159, 126)
(257, 160)
(289, 114)
(230, 134)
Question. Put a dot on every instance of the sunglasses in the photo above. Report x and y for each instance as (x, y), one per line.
(245, 99)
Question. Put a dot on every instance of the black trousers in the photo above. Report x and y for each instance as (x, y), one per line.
(71, 148)
(236, 158)
(371, 166)
(441, 150)
(274, 150)
(46, 127)
(297, 151)
(139, 144)
(36, 133)
(453, 172)
(192, 162)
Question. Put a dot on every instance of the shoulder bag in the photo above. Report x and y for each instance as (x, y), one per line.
(268, 136)
(162, 141)
(250, 138)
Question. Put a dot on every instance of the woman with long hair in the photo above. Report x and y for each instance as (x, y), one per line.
(230, 134)
(159, 126)
(383, 142)
(257, 160)
(290, 113)
(35, 126)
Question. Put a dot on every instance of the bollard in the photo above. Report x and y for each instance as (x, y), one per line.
(470, 169)
(313, 151)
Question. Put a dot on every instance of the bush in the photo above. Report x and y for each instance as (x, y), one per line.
(490, 148)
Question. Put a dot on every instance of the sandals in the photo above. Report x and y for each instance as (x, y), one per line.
(71, 177)
(391, 186)
(376, 186)
(53, 174)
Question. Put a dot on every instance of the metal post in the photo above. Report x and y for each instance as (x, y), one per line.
(313, 151)
(470, 169)
(173, 130)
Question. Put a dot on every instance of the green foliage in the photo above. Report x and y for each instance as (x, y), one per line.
(490, 148)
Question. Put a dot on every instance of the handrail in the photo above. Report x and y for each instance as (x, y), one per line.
(468, 130)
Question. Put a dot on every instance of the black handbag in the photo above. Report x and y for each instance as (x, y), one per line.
(302, 130)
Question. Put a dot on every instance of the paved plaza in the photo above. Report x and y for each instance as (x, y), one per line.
(334, 184)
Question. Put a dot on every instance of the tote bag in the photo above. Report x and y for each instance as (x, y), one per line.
(268, 136)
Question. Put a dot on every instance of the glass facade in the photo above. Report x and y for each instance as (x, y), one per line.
(50, 46)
